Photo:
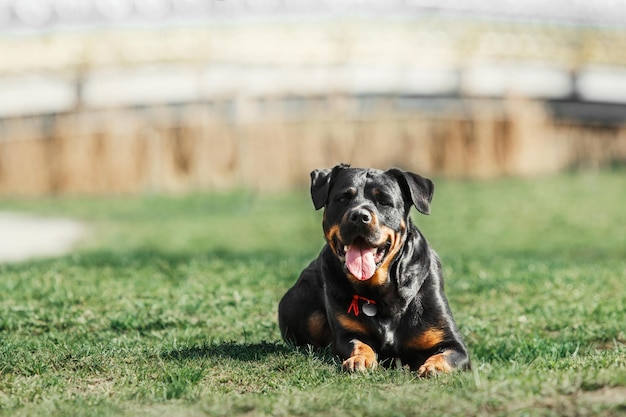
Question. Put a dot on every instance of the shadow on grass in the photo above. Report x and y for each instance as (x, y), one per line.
(249, 352)
(245, 352)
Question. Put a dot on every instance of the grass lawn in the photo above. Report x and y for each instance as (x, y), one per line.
(169, 307)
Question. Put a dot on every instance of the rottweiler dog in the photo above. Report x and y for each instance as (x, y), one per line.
(375, 292)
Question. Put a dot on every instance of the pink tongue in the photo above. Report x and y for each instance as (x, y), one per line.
(360, 262)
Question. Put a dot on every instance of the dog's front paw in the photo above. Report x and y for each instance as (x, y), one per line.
(436, 364)
(361, 358)
(359, 363)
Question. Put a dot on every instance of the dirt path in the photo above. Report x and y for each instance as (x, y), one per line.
(24, 237)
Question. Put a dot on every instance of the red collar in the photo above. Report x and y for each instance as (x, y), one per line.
(354, 305)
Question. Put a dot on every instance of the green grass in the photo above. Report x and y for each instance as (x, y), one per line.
(169, 307)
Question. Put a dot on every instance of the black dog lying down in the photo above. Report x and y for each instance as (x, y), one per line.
(375, 293)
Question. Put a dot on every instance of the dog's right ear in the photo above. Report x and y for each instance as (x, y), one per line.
(320, 181)
(320, 184)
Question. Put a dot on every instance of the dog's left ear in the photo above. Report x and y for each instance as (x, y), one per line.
(419, 189)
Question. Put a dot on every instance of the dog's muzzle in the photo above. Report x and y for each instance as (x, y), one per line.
(360, 244)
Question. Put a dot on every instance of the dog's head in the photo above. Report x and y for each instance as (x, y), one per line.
(366, 215)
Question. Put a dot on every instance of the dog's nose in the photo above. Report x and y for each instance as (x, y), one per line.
(360, 216)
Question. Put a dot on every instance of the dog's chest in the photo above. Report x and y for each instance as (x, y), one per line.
(391, 321)
(387, 332)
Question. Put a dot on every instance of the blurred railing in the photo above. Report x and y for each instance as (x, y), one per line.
(150, 52)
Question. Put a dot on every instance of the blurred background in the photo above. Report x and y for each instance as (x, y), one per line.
(128, 96)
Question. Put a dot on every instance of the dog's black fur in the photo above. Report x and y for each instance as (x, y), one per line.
(398, 312)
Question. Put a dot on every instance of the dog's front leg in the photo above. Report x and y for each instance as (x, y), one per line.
(353, 343)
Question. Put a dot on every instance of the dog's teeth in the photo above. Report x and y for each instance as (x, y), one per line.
(346, 248)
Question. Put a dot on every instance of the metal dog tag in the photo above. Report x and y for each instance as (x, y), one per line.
(369, 309)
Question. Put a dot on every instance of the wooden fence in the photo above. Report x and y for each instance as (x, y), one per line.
(262, 145)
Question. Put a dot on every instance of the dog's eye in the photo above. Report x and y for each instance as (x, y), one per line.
(345, 195)
(384, 200)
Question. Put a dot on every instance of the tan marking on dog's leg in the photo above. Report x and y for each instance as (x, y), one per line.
(318, 328)
(361, 358)
(426, 340)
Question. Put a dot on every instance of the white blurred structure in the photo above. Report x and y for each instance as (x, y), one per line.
(117, 96)
(61, 55)
(23, 237)
(16, 14)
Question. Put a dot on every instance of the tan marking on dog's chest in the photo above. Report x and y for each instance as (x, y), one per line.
(352, 325)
